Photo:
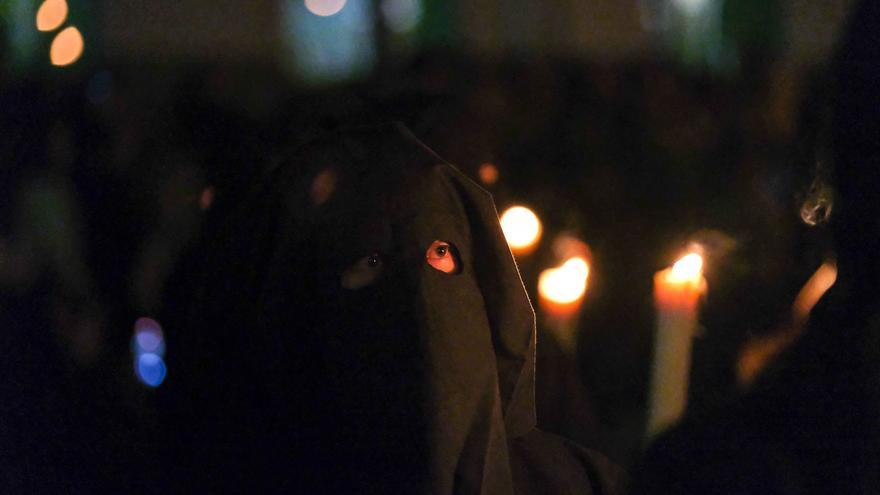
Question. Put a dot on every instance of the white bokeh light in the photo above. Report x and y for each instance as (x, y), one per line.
(324, 8)
(521, 227)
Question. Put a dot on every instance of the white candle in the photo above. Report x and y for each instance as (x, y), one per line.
(676, 293)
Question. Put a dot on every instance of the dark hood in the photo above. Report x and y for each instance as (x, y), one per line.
(413, 381)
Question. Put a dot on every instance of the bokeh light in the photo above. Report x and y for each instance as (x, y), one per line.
(148, 337)
(206, 198)
(326, 43)
(522, 229)
(488, 173)
(146, 322)
(813, 290)
(401, 16)
(51, 15)
(565, 284)
(691, 7)
(150, 369)
(323, 186)
(149, 340)
(758, 352)
(687, 269)
(324, 8)
(148, 346)
(67, 47)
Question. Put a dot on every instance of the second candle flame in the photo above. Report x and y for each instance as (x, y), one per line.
(565, 284)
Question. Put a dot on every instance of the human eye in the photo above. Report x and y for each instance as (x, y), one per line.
(363, 272)
(442, 256)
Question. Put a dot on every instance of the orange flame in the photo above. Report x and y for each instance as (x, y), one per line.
(522, 229)
(565, 284)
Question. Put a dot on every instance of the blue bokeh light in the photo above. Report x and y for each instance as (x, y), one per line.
(150, 369)
(148, 337)
(149, 340)
(330, 49)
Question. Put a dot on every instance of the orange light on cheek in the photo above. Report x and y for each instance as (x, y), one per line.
(441, 256)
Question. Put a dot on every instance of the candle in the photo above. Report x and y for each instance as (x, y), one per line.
(562, 288)
(676, 293)
(561, 291)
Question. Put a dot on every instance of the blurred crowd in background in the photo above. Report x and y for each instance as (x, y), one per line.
(112, 167)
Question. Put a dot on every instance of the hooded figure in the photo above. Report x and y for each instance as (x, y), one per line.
(362, 328)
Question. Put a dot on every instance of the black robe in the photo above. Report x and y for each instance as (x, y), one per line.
(326, 355)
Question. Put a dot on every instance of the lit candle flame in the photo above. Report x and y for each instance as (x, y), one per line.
(565, 284)
(687, 269)
(676, 295)
(522, 229)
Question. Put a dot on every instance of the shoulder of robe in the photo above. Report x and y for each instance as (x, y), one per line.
(546, 463)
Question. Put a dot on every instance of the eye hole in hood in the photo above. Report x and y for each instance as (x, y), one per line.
(443, 256)
(363, 272)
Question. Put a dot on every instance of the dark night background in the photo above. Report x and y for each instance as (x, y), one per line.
(638, 126)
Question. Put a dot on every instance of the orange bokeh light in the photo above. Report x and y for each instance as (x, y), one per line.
(522, 229)
(813, 290)
(206, 198)
(488, 174)
(67, 47)
(51, 14)
(565, 284)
